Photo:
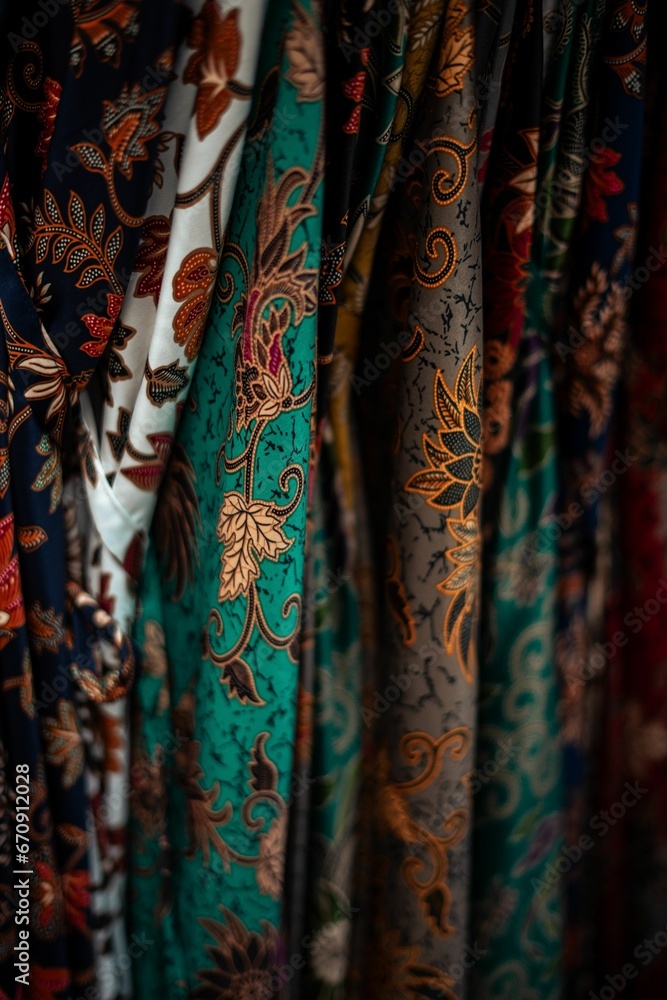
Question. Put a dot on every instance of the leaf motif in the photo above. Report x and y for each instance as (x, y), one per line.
(145, 477)
(465, 389)
(457, 54)
(166, 382)
(445, 405)
(89, 276)
(30, 538)
(424, 18)
(458, 58)
(90, 156)
(239, 678)
(42, 248)
(250, 532)
(435, 455)
(264, 773)
(97, 224)
(428, 480)
(75, 257)
(113, 245)
(51, 210)
(465, 532)
(77, 212)
(60, 246)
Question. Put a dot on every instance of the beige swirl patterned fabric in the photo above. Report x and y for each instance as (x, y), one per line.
(424, 736)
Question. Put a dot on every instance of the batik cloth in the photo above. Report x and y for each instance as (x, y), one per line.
(424, 312)
(83, 93)
(155, 340)
(222, 591)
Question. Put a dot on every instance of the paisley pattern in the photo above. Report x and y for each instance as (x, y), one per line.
(220, 688)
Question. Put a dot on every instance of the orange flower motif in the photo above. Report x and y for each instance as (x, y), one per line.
(151, 256)
(7, 220)
(217, 43)
(12, 610)
(453, 476)
(192, 285)
(100, 327)
(601, 182)
(128, 124)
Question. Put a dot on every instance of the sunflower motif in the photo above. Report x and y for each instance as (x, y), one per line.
(453, 478)
(453, 482)
(397, 971)
(244, 960)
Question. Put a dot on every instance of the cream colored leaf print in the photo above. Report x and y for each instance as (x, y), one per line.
(305, 54)
(457, 53)
(251, 531)
(155, 655)
(155, 661)
(271, 864)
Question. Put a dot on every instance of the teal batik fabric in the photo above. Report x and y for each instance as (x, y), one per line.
(519, 893)
(221, 594)
(334, 777)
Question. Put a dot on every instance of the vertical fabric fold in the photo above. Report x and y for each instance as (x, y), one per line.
(222, 592)
(83, 93)
(425, 311)
(588, 356)
(155, 338)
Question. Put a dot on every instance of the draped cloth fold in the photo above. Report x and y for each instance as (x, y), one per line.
(83, 96)
(222, 590)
